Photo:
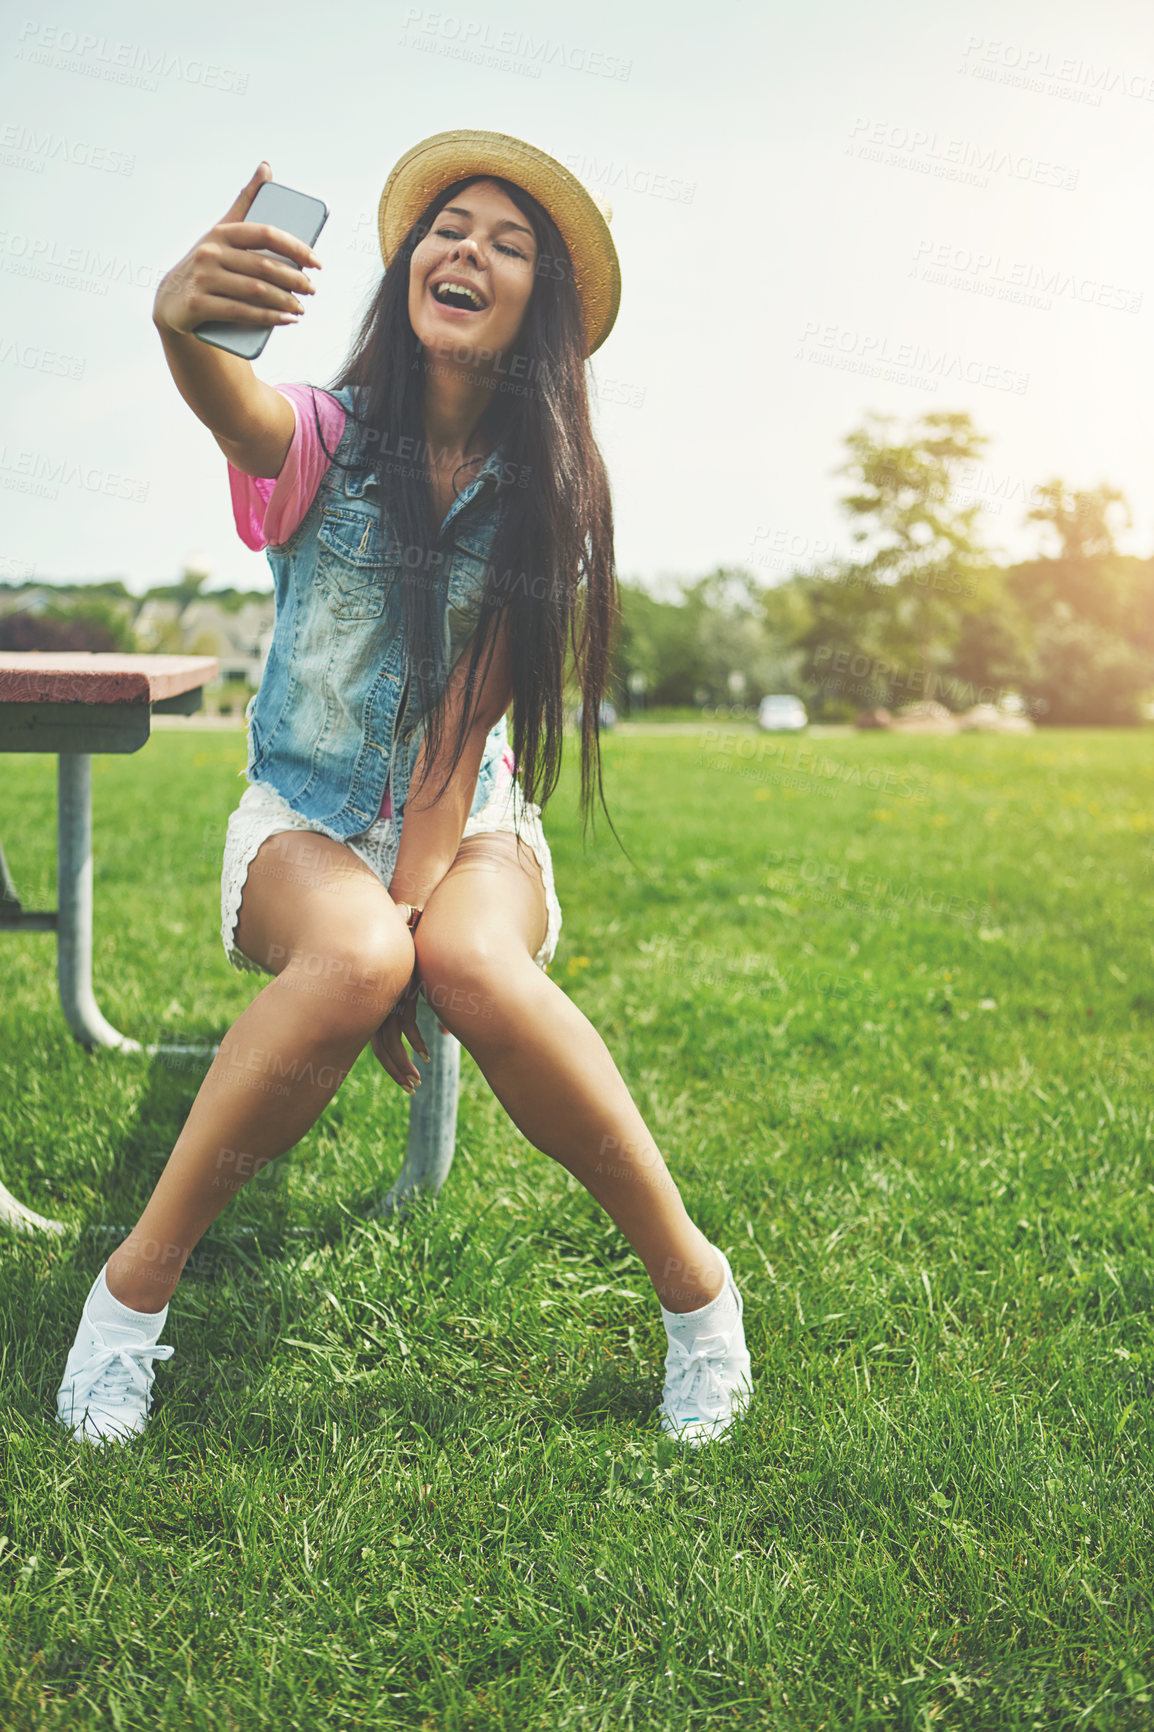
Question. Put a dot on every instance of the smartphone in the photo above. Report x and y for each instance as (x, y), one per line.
(282, 208)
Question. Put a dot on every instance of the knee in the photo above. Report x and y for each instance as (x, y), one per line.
(462, 977)
(355, 978)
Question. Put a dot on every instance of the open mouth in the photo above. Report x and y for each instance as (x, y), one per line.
(456, 299)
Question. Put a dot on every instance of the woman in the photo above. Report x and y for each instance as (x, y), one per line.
(440, 530)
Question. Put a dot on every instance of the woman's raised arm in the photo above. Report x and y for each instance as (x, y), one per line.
(224, 277)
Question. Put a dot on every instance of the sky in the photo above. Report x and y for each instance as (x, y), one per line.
(820, 212)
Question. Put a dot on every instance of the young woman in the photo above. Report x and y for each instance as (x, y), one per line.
(440, 531)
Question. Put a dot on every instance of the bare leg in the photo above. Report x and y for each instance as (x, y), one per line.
(324, 924)
(546, 1063)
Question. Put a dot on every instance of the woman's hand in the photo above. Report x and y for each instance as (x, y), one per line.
(388, 1045)
(224, 277)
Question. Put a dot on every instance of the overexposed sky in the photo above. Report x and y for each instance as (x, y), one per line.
(819, 211)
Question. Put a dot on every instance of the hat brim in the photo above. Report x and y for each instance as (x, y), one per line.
(437, 162)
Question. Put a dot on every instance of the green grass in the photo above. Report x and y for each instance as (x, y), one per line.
(887, 1005)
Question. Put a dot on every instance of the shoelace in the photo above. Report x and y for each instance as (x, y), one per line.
(694, 1374)
(111, 1370)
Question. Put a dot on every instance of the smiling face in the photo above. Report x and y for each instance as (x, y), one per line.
(479, 241)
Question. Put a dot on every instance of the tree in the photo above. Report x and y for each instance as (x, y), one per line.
(192, 581)
(656, 639)
(82, 625)
(904, 606)
(727, 624)
(1080, 521)
(1089, 608)
(991, 653)
(688, 650)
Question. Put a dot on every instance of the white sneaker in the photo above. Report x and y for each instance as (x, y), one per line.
(708, 1378)
(107, 1387)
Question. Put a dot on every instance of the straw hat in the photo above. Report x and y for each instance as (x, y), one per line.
(581, 216)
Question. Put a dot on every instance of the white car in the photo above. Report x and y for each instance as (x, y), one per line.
(782, 714)
(606, 714)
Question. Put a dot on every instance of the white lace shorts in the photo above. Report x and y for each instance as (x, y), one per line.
(262, 812)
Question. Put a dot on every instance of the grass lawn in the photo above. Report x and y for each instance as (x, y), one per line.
(887, 1006)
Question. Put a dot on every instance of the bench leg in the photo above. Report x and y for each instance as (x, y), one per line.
(432, 1118)
(74, 897)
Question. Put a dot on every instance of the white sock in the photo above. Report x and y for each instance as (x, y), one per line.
(108, 1312)
(720, 1310)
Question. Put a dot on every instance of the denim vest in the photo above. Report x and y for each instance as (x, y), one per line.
(334, 715)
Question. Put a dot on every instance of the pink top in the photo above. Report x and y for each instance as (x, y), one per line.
(268, 510)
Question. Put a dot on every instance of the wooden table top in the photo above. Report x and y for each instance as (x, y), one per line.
(99, 676)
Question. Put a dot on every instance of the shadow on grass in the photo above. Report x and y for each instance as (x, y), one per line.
(612, 1394)
(259, 1213)
(221, 1404)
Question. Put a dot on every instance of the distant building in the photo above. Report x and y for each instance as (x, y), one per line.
(239, 638)
(157, 626)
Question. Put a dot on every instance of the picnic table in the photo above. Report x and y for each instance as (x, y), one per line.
(77, 703)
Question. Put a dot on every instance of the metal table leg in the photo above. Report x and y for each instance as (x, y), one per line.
(74, 895)
(15, 918)
(432, 1117)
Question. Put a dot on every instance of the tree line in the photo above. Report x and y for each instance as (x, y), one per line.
(924, 611)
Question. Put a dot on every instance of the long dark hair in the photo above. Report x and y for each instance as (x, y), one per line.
(552, 562)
